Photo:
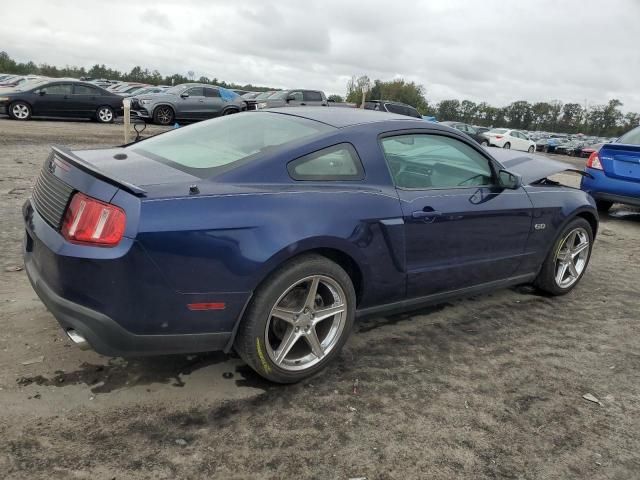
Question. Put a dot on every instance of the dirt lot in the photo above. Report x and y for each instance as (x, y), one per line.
(489, 387)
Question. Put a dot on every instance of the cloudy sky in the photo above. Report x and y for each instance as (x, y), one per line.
(483, 50)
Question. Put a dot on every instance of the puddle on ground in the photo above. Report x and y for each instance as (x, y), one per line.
(120, 373)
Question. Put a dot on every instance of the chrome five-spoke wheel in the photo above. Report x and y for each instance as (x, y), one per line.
(20, 111)
(105, 114)
(306, 323)
(571, 257)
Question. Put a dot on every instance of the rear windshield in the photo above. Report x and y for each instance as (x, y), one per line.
(630, 138)
(499, 130)
(205, 148)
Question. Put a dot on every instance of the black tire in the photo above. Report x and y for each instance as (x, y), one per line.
(531, 149)
(603, 205)
(250, 340)
(484, 143)
(163, 115)
(105, 114)
(507, 146)
(230, 111)
(20, 111)
(546, 280)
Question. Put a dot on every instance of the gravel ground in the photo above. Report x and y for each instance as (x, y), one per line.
(487, 387)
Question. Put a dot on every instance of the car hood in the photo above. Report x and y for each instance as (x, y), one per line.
(531, 167)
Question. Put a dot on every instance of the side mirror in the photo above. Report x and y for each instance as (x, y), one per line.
(509, 180)
(290, 97)
(42, 92)
(184, 95)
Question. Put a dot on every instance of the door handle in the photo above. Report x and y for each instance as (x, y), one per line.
(303, 104)
(427, 213)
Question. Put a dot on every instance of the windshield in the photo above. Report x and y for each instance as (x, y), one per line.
(30, 84)
(202, 148)
(264, 95)
(630, 138)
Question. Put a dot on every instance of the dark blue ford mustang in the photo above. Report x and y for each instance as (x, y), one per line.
(269, 232)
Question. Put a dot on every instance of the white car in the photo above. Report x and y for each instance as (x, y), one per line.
(515, 139)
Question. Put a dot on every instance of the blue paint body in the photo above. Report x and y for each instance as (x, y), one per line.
(221, 244)
(619, 180)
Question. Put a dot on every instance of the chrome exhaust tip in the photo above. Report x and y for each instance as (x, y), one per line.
(78, 339)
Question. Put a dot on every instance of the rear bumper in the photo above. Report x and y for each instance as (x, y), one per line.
(602, 187)
(107, 337)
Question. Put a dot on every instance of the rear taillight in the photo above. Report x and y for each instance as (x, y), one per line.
(594, 161)
(498, 137)
(93, 222)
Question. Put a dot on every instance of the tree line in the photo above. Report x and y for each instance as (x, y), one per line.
(553, 116)
(137, 74)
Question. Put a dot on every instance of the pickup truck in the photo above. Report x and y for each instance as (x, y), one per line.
(614, 172)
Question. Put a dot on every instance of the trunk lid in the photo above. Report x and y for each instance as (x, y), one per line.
(621, 161)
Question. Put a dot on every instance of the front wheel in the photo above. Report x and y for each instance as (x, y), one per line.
(484, 143)
(163, 115)
(20, 111)
(105, 114)
(531, 149)
(507, 146)
(298, 320)
(568, 259)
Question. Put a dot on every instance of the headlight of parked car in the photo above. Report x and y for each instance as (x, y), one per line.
(146, 101)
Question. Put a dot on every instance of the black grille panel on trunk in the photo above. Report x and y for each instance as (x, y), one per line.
(50, 197)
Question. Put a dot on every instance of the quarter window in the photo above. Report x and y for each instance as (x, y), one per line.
(424, 161)
(339, 162)
(297, 96)
(85, 90)
(212, 92)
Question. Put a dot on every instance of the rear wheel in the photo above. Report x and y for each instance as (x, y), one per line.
(568, 259)
(20, 111)
(507, 146)
(484, 143)
(230, 111)
(603, 205)
(531, 149)
(298, 320)
(163, 115)
(105, 114)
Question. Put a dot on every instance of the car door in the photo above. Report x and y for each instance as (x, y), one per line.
(86, 99)
(313, 98)
(55, 100)
(461, 228)
(213, 103)
(522, 143)
(192, 104)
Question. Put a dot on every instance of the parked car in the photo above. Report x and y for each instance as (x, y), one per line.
(481, 130)
(392, 107)
(589, 149)
(614, 172)
(189, 101)
(207, 238)
(61, 98)
(469, 130)
(507, 138)
(15, 81)
(293, 98)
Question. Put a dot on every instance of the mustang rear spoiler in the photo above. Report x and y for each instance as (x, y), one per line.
(533, 168)
(68, 156)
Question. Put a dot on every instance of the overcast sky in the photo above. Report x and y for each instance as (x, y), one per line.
(483, 50)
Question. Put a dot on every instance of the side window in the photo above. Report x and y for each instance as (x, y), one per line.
(211, 92)
(339, 162)
(85, 90)
(395, 108)
(196, 92)
(59, 89)
(412, 112)
(425, 161)
(297, 96)
(311, 96)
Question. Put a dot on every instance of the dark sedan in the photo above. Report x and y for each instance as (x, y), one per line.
(206, 238)
(61, 99)
(469, 130)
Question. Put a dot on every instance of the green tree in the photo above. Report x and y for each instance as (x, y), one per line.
(335, 98)
(449, 110)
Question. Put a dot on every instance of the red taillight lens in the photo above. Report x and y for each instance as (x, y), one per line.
(93, 222)
(594, 161)
(498, 137)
